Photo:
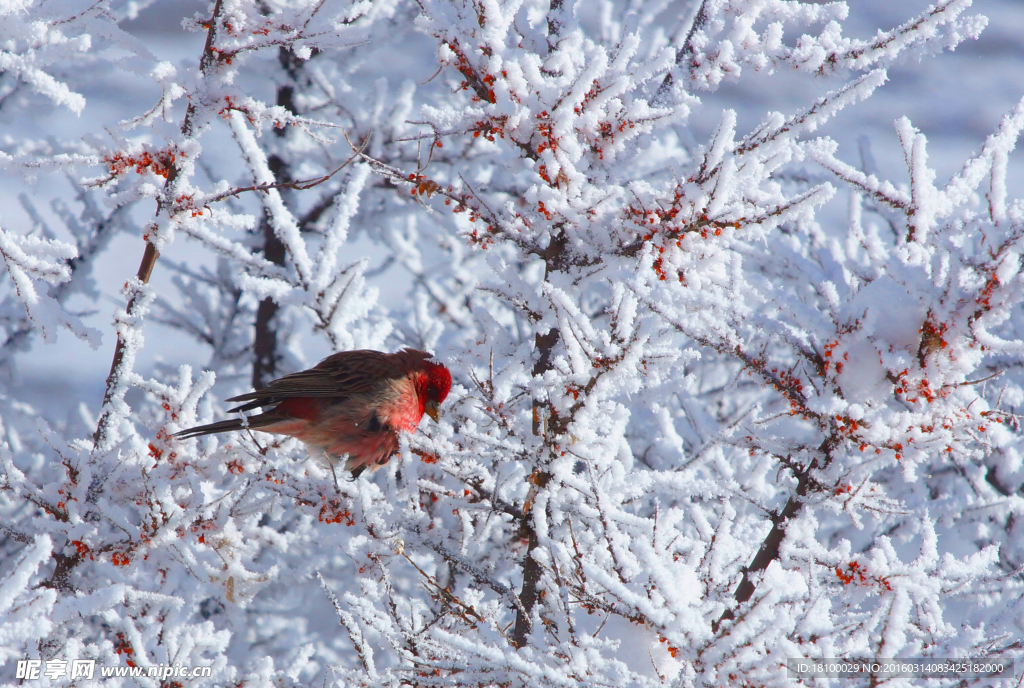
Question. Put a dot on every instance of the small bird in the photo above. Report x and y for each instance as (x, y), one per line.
(352, 402)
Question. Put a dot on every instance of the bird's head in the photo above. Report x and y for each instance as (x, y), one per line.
(434, 385)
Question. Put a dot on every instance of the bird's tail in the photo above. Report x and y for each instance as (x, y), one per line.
(252, 422)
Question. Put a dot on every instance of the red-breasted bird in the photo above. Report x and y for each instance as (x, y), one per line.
(353, 402)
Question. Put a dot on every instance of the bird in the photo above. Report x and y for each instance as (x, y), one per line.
(351, 403)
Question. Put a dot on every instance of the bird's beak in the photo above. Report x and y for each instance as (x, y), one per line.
(430, 408)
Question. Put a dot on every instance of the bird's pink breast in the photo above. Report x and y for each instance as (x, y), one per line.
(403, 409)
(371, 449)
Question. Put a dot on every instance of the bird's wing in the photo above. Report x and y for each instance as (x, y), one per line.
(341, 375)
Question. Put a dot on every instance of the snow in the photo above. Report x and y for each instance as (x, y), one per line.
(693, 265)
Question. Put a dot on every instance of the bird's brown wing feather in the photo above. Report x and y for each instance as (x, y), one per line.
(341, 375)
(252, 422)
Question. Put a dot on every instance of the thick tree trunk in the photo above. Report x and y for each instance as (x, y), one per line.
(265, 354)
(544, 345)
